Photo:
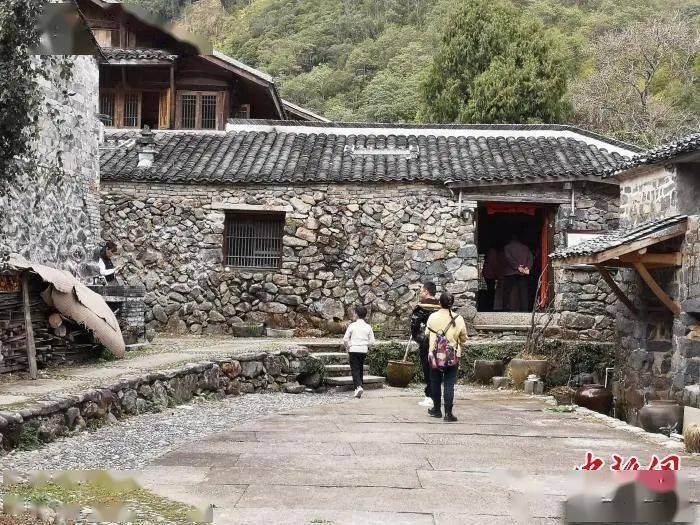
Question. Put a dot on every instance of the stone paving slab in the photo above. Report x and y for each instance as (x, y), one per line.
(29, 388)
(505, 462)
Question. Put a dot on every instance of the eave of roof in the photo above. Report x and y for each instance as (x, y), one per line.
(304, 112)
(612, 244)
(672, 152)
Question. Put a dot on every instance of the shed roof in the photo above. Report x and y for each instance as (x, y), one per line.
(299, 153)
(606, 246)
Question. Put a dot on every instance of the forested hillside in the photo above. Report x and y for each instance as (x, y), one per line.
(631, 65)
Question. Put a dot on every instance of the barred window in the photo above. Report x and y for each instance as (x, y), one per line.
(253, 240)
(199, 110)
(107, 107)
(132, 110)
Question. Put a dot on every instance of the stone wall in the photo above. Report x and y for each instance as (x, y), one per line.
(52, 215)
(154, 392)
(651, 195)
(343, 245)
(585, 305)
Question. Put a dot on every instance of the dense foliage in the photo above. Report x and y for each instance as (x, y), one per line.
(365, 59)
(495, 65)
(19, 74)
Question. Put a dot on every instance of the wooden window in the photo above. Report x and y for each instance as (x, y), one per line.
(253, 240)
(108, 107)
(107, 37)
(199, 110)
(132, 110)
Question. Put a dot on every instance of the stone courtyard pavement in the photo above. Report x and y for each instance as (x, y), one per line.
(382, 460)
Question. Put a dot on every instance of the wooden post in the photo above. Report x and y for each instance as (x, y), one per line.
(173, 99)
(31, 348)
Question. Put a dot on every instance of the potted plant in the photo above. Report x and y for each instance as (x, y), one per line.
(521, 367)
(563, 395)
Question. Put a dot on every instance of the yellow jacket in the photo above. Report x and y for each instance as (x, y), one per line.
(456, 335)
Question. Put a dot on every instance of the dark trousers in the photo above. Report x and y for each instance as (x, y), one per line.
(423, 354)
(490, 293)
(357, 363)
(520, 283)
(448, 376)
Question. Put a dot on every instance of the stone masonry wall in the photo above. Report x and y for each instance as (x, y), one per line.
(584, 303)
(648, 197)
(156, 391)
(343, 245)
(49, 216)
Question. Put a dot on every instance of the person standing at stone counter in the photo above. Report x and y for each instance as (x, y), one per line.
(105, 263)
(357, 339)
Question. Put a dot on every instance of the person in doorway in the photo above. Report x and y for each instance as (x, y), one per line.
(357, 339)
(427, 305)
(518, 265)
(452, 326)
(105, 263)
(492, 272)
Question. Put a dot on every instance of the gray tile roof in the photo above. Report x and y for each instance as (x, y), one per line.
(119, 54)
(662, 154)
(282, 156)
(615, 238)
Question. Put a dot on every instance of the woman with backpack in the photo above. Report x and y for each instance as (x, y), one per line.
(447, 333)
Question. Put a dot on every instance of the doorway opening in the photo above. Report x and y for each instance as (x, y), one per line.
(509, 234)
(150, 109)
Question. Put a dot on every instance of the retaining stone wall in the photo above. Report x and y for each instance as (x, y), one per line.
(343, 245)
(261, 372)
(649, 197)
(56, 220)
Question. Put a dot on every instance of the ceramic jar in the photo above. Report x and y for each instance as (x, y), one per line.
(399, 373)
(660, 413)
(594, 397)
(485, 369)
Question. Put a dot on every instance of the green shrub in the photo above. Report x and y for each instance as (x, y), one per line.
(28, 438)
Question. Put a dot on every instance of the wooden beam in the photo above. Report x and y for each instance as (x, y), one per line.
(172, 96)
(31, 348)
(665, 259)
(616, 289)
(658, 292)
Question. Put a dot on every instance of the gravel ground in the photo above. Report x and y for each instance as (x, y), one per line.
(138, 440)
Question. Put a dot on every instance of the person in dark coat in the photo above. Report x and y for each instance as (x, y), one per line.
(427, 304)
(105, 263)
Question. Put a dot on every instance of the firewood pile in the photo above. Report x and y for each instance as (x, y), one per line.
(56, 338)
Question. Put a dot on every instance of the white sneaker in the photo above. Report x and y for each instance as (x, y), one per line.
(358, 392)
(426, 402)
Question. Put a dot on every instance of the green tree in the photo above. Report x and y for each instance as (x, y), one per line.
(495, 66)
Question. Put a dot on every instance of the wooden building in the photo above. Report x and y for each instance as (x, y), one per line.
(151, 77)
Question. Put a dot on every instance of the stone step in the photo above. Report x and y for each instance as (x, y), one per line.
(501, 327)
(341, 370)
(331, 358)
(345, 382)
(324, 347)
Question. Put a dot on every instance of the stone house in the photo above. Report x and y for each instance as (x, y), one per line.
(653, 265)
(292, 223)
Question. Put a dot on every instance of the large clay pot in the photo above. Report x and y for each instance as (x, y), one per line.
(248, 330)
(661, 413)
(485, 369)
(399, 373)
(594, 397)
(519, 369)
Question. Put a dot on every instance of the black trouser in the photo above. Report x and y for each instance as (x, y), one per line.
(520, 283)
(357, 363)
(490, 293)
(423, 354)
(448, 376)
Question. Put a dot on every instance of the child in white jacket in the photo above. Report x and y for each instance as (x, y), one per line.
(357, 339)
